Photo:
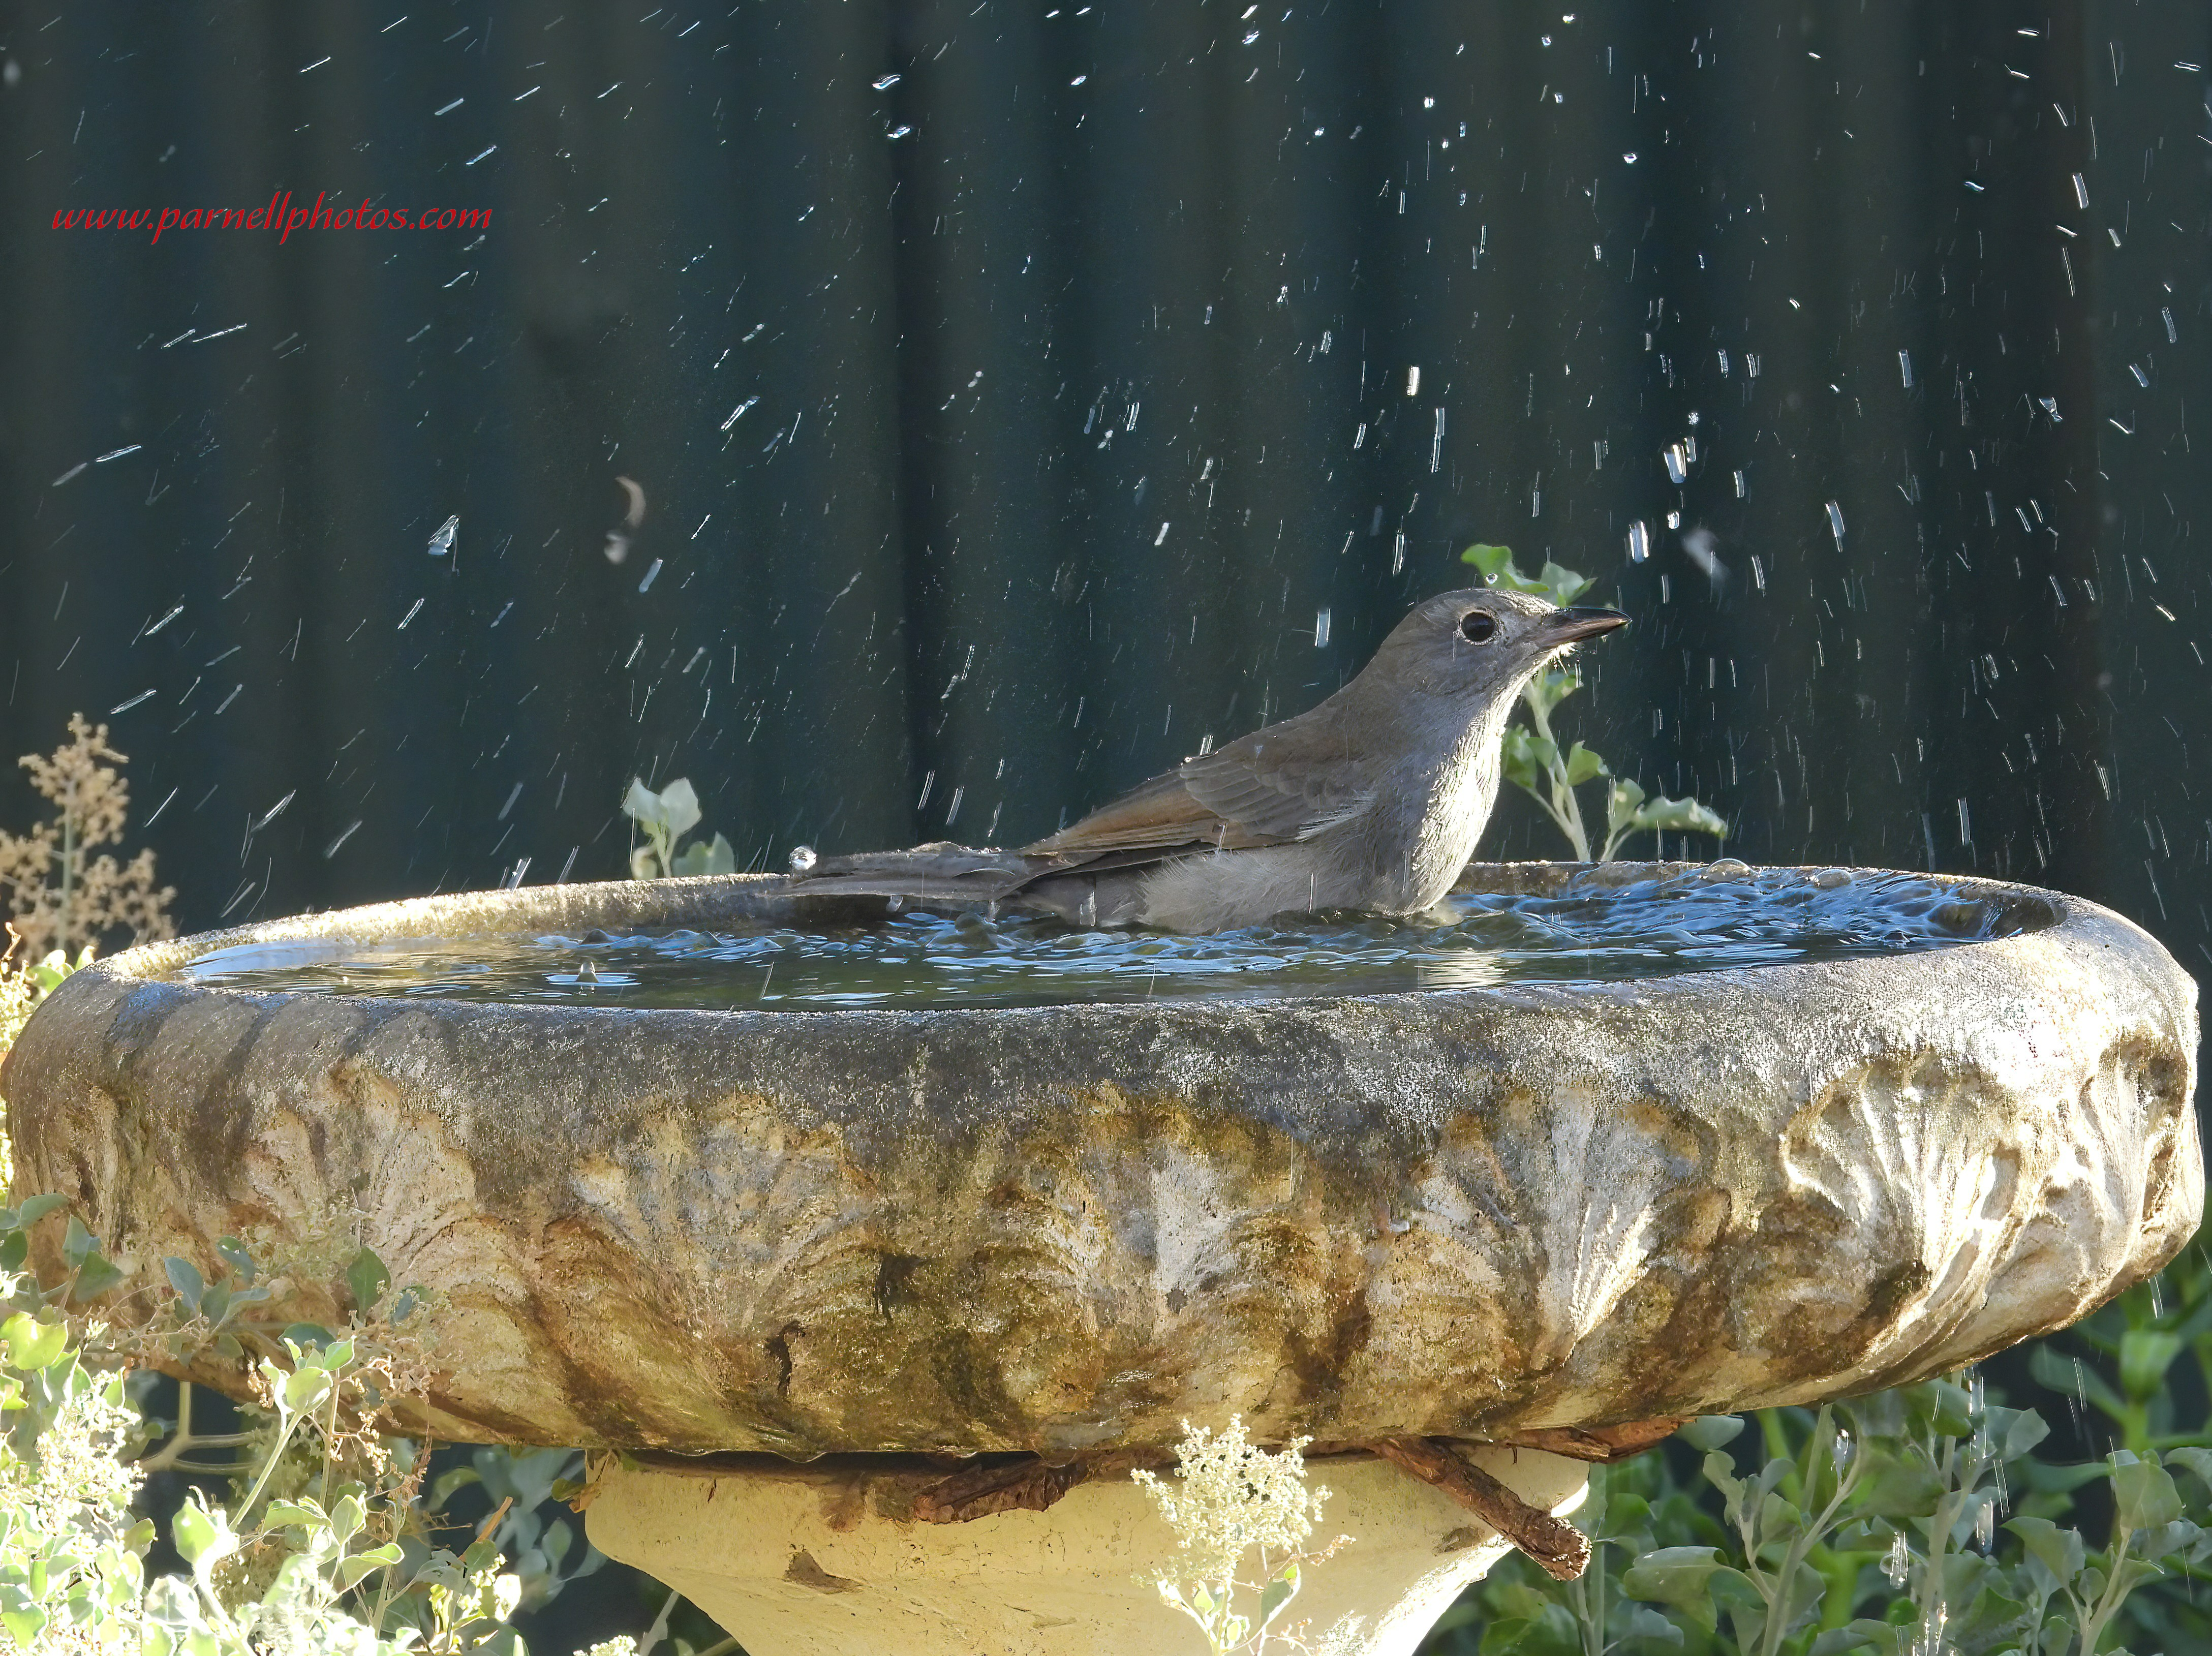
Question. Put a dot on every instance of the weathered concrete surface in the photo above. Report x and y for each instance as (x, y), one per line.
(1463, 1213)
(822, 1560)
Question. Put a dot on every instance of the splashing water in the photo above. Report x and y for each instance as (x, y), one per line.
(1712, 917)
(1897, 1564)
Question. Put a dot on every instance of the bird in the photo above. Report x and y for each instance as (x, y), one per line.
(1372, 800)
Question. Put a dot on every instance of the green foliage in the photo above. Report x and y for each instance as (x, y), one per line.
(324, 1545)
(1533, 760)
(309, 1530)
(667, 817)
(1876, 1525)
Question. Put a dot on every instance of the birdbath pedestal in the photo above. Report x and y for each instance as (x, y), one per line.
(879, 1308)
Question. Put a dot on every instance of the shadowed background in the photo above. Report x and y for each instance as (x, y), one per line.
(1021, 393)
(1074, 347)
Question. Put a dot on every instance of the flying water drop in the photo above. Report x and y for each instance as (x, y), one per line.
(1898, 1562)
(442, 541)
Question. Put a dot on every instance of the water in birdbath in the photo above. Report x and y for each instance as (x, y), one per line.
(1716, 917)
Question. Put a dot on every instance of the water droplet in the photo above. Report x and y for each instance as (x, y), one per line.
(442, 541)
(1320, 629)
(1898, 1562)
(1836, 522)
(1639, 542)
(885, 82)
(1630, 157)
(802, 859)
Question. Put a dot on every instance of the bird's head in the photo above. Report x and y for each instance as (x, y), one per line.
(1482, 644)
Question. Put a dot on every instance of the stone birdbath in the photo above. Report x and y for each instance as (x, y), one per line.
(881, 1307)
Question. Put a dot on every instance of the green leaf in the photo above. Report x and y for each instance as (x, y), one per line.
(1278, 1592)
(347, 1517)
(1582, 765)
(1510, 1636)
(718, 858)
(2019, 1430)
(308, 1337)
(305, 1390)
(642, 805)
(1649, 1626)
(307, 1513)
(77, 1243)
(25, 1621)
(1839, 1641)
(2145, 1355)
(2196, 1462)
(1684, 815)
(94, 1277)
(2071, 1377)
(1492, 560)
(366, 1280)
(1681, 1578)
(36, 1207)
(1901, 1486)
(1516, 761)
(1711, 1432)
(32, 1345)
(1555, 684)
(1890, 1641)
(2059, 1552)
(679, 807)
(350, 1571)
(2050, 1478)
(1563, 586)
(2143, 1495)
(241, 1262)
(184, 1277)
(203, 1538)
(446, 1483)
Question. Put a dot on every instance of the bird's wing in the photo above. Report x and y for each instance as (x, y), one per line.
(1287, 783)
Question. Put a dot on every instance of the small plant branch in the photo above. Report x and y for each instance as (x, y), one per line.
(1560, 1550)
(184, 1440)
(1596, 1443)
(1029, 1485)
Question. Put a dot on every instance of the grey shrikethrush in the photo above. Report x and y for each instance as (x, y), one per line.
(1372, 800)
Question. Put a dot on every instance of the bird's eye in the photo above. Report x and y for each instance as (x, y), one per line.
(1477, 625)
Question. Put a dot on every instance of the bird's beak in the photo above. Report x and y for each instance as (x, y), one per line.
(1584, 621)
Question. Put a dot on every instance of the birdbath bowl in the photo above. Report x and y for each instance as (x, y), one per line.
(881, 1305)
